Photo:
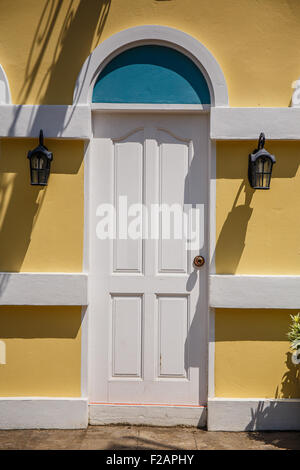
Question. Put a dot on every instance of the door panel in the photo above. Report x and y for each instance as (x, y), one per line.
(126, 336)
(173, 168)
(173, 324)
(148, 321)
(128, 181)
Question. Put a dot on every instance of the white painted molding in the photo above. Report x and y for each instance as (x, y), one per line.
(243, 291)
(5, 96)
(247, 123)
(151, 34)
(61, 121)
(155, 415)
(296, 95)
(150, 108)
(253, 414)
(84, 351)
(43, 289)
(74, 122)
(43, 413)
(211, 353)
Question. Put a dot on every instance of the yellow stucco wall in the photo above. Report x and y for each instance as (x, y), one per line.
(258, 232)
(41, 229)
(252, 356)
(42, 351)
(255, 42)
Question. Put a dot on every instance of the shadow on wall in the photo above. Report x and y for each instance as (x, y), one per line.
(232, 164)
(30, 323)
(270, 371)
(20, 203)
(18, 214)
(266, 416)
(259, 338)
(291, 379)
(236, 222)
(80, 30)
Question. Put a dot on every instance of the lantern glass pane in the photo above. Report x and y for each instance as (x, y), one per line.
(34, 176)
(43, 176)
(260, 165)
(35, 162)
(263, 172)
(39, 169)
(268, 165)
(42, 162)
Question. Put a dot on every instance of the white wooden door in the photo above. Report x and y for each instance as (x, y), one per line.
(148, 304)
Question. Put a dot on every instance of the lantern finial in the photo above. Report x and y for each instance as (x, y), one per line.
(261, 141)
(41, 138)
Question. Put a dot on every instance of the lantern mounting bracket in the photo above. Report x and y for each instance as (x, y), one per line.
(261, 141)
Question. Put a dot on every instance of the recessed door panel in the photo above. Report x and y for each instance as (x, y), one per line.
(173, 323)
(173, 170)
(126, 336)
(128, 192)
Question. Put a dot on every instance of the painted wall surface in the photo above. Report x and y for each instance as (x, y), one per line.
(43, 347)
(41, 229)
(253, 41)
(258, 232)
(252, 356)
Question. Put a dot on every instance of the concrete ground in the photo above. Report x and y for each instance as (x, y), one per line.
(145, 437)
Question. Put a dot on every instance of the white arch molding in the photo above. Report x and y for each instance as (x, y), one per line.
(5, 96)
(151, 34)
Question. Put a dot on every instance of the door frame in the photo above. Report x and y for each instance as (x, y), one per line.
(99, 58)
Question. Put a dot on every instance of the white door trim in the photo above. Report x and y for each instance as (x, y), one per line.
(89, 191)
(82, 96)
(151, 34)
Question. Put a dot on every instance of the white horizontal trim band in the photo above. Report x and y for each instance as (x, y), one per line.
(249, 291)
(150, 108)
(74, 122)
(247, 123)
(43, 413)
(61, 121)
(43, 289)
(253, 414)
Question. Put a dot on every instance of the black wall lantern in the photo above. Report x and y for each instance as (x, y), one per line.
(40, 161)
(260, 166)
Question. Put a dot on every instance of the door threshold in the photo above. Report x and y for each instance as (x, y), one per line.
(147, 414)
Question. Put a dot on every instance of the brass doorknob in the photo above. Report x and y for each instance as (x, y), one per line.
(199, 261)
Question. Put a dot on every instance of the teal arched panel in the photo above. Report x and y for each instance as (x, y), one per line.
(151, 74)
